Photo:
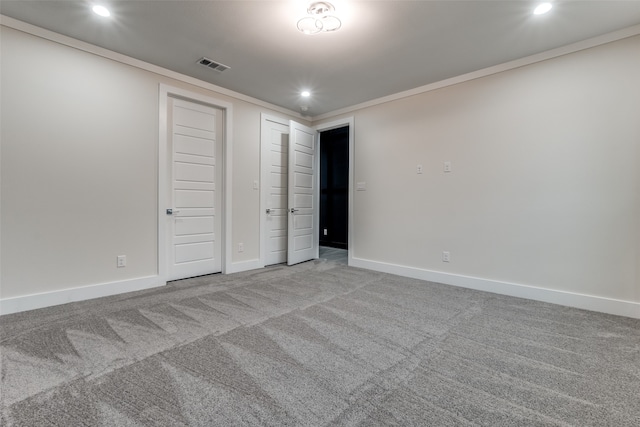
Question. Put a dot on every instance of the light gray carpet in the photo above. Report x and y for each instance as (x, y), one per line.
(318, 344)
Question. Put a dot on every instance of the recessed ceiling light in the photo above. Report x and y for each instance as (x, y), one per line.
(101, 10)
(305, 93)
(542, 8)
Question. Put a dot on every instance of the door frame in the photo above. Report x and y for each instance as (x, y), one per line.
(166, 92)
(347, 121)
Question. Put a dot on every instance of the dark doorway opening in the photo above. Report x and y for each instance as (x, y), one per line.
(334, 187)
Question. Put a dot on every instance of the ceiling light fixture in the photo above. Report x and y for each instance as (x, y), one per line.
(542, 8)
(319, 18)
(101, 10)
(305, 93)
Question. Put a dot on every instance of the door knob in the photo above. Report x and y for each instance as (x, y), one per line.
(293, 210)
(268, 211)
(172, 211)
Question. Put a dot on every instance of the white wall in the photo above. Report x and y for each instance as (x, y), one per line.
(545, 187)
(79, 167)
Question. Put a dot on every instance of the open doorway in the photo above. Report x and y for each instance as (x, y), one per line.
(274, 175)
(334, 192)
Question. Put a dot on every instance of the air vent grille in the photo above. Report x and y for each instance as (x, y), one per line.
(212, 64)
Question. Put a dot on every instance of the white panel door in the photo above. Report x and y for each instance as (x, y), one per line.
(302, 194)
(195, 200)
(275, 158)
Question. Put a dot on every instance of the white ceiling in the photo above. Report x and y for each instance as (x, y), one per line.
(384, 47)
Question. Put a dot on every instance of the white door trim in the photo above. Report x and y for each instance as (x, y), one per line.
(347, 121)
(264, 179)
(166, 91)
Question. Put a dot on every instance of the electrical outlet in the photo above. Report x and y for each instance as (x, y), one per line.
(256, 185)
(447, 166)
(240, 247)
(446, 256)
(325, 231)
(419, 169)
(122, 261)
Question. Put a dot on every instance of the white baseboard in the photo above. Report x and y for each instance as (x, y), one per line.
(237, 267)
(47, 299)
(570, 299)
(586, 302)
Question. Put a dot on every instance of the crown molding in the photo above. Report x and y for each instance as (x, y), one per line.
(127, 60)
(511, 65)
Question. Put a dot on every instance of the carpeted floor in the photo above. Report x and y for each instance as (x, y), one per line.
(318, 344)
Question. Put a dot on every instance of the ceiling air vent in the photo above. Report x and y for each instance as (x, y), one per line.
(212, 64)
